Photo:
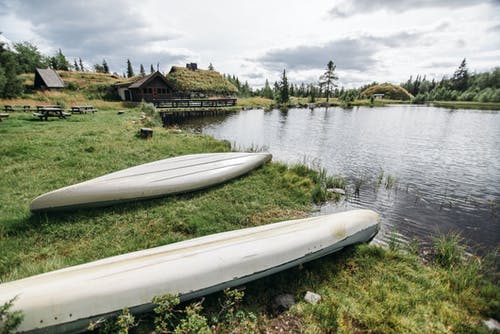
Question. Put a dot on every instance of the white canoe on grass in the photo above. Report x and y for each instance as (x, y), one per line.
(67, 299)
(154, 179)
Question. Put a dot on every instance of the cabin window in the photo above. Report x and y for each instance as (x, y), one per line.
(144, 90)
(150, 90)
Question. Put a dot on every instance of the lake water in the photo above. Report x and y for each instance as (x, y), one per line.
(426, 170)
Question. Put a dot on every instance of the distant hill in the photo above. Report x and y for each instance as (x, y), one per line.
(390, 92)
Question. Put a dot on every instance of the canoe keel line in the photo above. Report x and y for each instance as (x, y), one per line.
(67, 300)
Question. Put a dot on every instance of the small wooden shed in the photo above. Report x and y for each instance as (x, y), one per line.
(47, 79)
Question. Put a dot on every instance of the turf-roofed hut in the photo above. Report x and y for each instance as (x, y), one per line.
(192, 82)
(148, 88)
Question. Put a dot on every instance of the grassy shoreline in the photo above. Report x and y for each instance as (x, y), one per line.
(365, 288)
(467, 105)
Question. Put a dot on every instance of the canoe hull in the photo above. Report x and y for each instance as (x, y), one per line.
(151, 180)
(68, 299)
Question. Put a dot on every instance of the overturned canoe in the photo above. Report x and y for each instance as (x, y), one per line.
(154, 179)
(67, 299)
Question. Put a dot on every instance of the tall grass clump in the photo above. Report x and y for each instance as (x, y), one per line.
(390, 181)
(9, 320)
(448, 251)
(320, 181)
(152, 117)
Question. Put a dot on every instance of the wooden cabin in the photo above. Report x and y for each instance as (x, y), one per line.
(47, 79)
(180, 83)
(149, 88)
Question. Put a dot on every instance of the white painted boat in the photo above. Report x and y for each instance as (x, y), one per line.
(154, 179)
(66, 300)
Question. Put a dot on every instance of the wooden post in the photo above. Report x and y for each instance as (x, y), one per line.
(146, 133)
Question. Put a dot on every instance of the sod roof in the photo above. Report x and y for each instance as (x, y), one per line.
(201, 81)
(390, 92)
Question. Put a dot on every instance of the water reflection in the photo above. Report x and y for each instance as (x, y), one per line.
(446, 164)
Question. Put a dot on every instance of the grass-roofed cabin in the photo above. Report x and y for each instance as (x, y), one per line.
(192, 82)
(149, 88)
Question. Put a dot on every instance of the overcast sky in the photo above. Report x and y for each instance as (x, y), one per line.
(369, 40)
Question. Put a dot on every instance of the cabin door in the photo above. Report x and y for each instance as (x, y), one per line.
(155, 93)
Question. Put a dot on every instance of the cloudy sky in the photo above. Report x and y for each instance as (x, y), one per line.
(369, 40)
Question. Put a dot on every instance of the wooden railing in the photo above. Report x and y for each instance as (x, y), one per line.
(194, 103)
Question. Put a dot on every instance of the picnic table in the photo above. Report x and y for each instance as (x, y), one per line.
(9, 108)
(83, 109)
(44, 112)
(3, 116)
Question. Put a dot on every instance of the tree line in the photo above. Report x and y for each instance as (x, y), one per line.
(25, 57)
(461, 86)
(281, 91)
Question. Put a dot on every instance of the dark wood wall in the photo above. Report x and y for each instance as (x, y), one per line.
(154, 90)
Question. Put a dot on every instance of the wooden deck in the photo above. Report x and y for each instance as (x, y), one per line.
(178, 116)
(194, 103)
(178, 110)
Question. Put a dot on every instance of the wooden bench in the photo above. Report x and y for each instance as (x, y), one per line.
(3, 116)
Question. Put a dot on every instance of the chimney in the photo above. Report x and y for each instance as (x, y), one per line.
(192, 66)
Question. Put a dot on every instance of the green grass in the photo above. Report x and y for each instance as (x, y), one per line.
(467, 105)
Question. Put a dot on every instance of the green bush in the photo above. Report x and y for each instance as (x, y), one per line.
(72, 86)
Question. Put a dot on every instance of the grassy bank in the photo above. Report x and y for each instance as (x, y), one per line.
(260, 102)
(467, 105)
(364, 289)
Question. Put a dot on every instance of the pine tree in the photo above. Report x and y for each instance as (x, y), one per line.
(81, 66)
(211, 67)
(142, 71)
(284, 94)
(76, 66)
(327, 80)
(461, 77)
(130, 70)
(151, 69)
(105, 66)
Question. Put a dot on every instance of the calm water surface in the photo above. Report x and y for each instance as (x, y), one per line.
(445, 163)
